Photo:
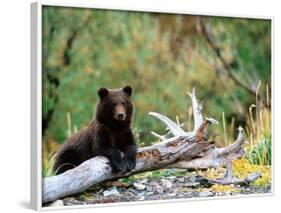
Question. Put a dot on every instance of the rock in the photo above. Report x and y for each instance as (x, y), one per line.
(127, 193)
(144, 181)
(166, 183)
(56, 203)
(205, 194)
(139, 186)
(192, 178)
(172, 194)
(159, 189)
(172, 178)
(68, 199)
(142, 198)
(181, 180)
(141, 195)
(135, 192)
(149, 193)
(188, 195)
(111, 191)
(149, 188)
(74, 202)
(191, 184)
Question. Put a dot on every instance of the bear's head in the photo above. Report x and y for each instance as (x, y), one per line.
(115, 107)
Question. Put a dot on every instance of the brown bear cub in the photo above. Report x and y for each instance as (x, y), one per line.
(109, 134)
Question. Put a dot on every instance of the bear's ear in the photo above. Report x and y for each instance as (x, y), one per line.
(128, 89)
(103, 92)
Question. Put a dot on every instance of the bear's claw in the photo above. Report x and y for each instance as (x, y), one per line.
(130, 163)
(119, 167)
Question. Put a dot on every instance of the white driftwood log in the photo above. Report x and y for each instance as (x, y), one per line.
(189, 150)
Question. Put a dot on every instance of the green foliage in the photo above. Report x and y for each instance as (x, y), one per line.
(238, 37)
(162, 173)
(260, 153)
(161, 56)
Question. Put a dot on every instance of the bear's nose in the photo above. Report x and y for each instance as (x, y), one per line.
(121, 116)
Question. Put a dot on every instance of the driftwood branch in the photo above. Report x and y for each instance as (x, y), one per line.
(229, 179)
(190, 150)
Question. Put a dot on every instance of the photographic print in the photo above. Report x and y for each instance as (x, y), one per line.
(149, 106)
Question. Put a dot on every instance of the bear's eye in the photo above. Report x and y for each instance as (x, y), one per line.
(123, 103)
(113, 103)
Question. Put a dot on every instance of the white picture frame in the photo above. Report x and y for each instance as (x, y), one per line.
(36, 97)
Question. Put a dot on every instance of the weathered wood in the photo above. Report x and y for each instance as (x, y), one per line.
(216, 158)
(229, 179)
(183, 150)
(196, 108)
(97, 169)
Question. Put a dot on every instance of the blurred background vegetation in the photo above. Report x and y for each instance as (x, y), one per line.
(227, 60)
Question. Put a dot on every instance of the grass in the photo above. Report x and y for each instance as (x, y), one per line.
(48, 167)
(224, 129)
(49, 150)
(257, 129)
(260, 153)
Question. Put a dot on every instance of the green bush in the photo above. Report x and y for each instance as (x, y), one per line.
(260, 153)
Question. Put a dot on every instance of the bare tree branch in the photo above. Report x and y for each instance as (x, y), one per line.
(207, 33)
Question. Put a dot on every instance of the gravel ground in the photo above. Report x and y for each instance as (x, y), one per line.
(162, 188)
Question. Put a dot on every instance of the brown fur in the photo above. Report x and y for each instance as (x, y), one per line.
(109, 134)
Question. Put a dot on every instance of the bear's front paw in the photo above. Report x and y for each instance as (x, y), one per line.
(118, 167)
(130, 163)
